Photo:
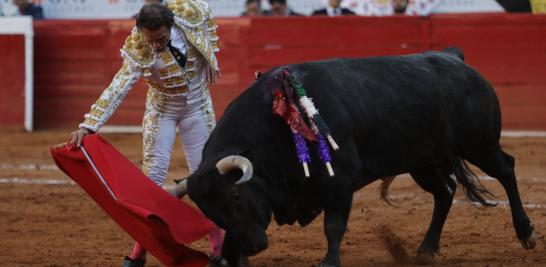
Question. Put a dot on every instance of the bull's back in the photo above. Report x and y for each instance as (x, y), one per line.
(401, 111)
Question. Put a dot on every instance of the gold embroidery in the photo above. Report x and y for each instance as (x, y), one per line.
(90, 122)
(154, 84)
(188, 11)
(173, 69)
(166, 56)
(136, 50)
(199, 28)
(122, 83)
(192, 74)
(103, 103)
(150, 125)
(163, 72)
(110, 98)
(147, 72)
(207, 108)
(96, 113)
(173, 91)
(174, 81)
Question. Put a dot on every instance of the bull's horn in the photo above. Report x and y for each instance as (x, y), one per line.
(178, 190)
(236, 162)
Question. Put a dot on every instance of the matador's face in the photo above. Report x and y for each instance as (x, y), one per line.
(157, 39)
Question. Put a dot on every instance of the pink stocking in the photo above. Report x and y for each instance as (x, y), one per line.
(216, 238)
(138, 252)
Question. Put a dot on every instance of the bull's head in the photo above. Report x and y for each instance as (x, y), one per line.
(227, 196)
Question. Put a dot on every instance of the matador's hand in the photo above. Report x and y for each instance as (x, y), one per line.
(76, 137)
(212, 74)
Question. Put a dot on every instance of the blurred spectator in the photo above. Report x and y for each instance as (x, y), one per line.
(280, 8)
(421, 7)
(29, 9)
(515, 5)
(399, 7)
(392, 7)
(8, 9)
(333, 9)
(149, 2)
(253, 8)
(538, 6)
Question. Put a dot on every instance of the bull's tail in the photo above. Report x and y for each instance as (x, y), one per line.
(472, 187)
(384, 190)
(453, 50)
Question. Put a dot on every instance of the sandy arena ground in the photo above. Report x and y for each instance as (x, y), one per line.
(59, 225)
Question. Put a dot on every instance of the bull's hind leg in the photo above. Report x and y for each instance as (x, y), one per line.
(437, 181)
(500, 165)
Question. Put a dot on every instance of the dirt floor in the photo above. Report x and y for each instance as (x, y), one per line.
(47, 221)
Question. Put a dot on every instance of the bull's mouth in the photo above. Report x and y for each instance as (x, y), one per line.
(251, 243)
(255, 249)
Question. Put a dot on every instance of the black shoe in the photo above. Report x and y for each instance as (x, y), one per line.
(128, 262)
(217, 261)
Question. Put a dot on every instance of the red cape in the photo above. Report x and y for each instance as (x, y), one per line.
(160, 222)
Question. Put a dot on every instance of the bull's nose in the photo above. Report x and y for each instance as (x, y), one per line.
(256, 248)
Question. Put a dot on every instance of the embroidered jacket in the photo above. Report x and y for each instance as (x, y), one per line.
(160, 70)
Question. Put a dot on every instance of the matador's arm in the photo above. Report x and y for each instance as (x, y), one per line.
(112, 96)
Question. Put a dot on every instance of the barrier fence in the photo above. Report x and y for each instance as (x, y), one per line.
(75, 60)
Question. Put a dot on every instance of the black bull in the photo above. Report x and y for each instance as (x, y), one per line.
(424, 114)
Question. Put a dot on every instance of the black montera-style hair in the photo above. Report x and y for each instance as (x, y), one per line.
(282, 2)
(153, 16)
(252, 1)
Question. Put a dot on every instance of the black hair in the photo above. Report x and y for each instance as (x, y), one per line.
(282, 2)
(253, 1)
(153, 16)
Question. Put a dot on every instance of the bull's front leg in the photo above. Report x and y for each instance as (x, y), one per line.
(336, 213)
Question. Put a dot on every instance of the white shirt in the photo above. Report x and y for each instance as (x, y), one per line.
(178, 40)
(333, 12)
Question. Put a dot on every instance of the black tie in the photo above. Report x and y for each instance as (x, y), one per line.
(180, 58)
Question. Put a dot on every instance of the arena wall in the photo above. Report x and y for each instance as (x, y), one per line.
(12, 77)
(75, 60)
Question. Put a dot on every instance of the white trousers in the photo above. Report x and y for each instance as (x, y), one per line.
(192, 114)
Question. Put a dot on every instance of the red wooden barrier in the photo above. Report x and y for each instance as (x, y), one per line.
(509, 50)
(12, 77)
(75, 60)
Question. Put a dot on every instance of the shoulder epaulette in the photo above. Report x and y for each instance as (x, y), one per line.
(136, 52)
(188, 13)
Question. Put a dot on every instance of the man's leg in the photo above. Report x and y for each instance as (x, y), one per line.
(195, 128)
(159, 133)
(196, 125)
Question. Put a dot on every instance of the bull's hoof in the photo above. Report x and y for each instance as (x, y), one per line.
(426, 257)
(530, 242)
